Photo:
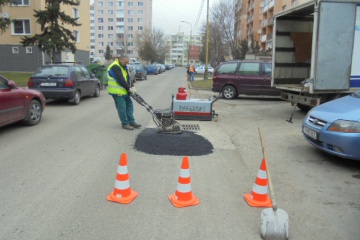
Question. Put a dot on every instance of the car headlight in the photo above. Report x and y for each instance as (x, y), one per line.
(345, 126)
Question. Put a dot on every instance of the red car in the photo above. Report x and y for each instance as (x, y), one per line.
(18, 104)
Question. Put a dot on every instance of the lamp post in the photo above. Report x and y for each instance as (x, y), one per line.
(207, 42)
(190, 38)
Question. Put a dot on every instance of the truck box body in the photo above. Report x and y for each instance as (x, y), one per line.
(319, 42)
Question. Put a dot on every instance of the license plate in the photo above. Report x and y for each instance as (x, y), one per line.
(47, 84)
(310, 133)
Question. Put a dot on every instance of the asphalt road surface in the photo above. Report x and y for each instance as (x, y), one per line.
(55, 176)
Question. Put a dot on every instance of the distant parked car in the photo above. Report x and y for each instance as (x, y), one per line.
(19, 104)
(152, 69)
(334, 127)
(201, 70)
(132, 72)
(248, 77)
(64, 81)
(140, 72)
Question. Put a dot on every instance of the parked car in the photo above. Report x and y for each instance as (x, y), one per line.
(334, 127)
(19, 104)
(161, 69)
(140, 72)
(201, 70)
(249, 77)
(62, 81)
(132, 73)
(152, 69)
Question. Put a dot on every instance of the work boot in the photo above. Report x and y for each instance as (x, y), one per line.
(127, 127)
(135, 125)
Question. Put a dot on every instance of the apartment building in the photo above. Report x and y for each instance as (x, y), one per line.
(183, 49)
(255, 20)
(116, 24)
(15, 57)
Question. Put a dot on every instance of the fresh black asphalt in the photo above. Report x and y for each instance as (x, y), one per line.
(187, 143)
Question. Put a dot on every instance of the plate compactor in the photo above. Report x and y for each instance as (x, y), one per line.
(181, 109)
(163, 118)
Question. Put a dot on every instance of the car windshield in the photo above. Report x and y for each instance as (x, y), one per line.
(51, 71)
(356, 94)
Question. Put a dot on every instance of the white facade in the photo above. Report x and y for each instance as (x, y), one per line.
(117, 23)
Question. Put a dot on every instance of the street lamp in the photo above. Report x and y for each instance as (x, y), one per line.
(190, 38)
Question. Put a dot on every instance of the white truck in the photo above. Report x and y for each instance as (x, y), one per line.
(316, 53)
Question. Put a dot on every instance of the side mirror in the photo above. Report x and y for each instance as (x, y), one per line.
(11, 84)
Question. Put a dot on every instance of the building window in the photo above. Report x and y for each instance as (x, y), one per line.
(110, 4)
(100, 20)
(110, 12)
(129, 36)
(119, 19)
(140, 12)
(130, 52)
(100, 4)
(100, 35)
(120, 12)
(101, 51)
(92, 34)
(111, 44)
(101, 28)
(130, 4)
(101, 44)
(130, 28)
(140, 4)
(130, 20)
(131, 12)
(20, 3)
(119, 28)
(130, 44)
(28, 50)
(110, 20)
(140, 20)
(100, 12)
(110, 28)
(76, 13)
(140, 28)
(120, 4)
(15, 50)
(76, 35)
(111, 36)
(21, 27)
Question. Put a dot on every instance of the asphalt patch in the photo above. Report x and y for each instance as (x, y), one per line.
(186, 143)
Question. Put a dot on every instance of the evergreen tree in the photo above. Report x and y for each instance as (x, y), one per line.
(107, 53)
(54, 36)
(5, 22)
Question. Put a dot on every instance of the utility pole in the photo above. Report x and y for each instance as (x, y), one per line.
(189, 40)
(207, 42)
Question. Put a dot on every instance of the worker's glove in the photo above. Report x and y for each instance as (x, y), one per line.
(132, 90)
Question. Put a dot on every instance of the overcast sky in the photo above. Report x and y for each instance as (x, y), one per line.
(168, 14)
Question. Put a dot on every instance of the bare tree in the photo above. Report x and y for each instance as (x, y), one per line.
(152, 46)
(224, 20)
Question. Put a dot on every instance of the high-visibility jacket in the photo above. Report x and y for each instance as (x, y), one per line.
(113, 86)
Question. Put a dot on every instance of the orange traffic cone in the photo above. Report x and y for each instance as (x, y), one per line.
(122, 192)
(183, 196)
(259, 197)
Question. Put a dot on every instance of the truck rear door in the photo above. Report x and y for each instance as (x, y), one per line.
(335, 37)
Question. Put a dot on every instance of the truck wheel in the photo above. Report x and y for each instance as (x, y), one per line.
(229, 92)
(303, 107)
(33, 113)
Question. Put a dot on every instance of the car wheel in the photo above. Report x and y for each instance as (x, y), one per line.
(76, 99)
(229, 92)
(33, 113)
(97, 91)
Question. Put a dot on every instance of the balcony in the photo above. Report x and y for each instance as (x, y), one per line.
(271, 21)
(263, 38)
